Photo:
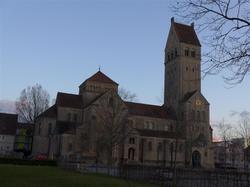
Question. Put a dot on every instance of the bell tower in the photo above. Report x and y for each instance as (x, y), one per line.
(182, 64)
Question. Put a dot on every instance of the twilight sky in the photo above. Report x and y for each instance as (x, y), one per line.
(60, 43)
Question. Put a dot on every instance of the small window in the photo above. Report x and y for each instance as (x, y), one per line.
(175, 52)
(193, 69)
(186, 52)
(186, 68)
(49, 129)
(171, 147)
(39, 128)
(69, 116)
(193, 53)
(168, 57)
(131, 154)
(172, 55)
(171, 128)
(93, 117)
(203, 116)
(75, 117)
(180, 148)
(70, 146)
(198, 116)
(132, 140)
(150, 146)
(166, 127)
(193, 115)
(182, 116)
(150, 125)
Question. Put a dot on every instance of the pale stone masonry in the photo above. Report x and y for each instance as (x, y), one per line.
(179, 130)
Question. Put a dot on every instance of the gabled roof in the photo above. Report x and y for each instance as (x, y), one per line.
(100, 77)
(50, 112)
(8, 123)
(69, 100)
(187, 96)
(154, 111)
(186, 34)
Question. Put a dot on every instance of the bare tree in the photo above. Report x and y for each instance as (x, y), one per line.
(127, 95)
(112, 129)
(227, 23)
(32, 102)
(243, 127)
(226, 134)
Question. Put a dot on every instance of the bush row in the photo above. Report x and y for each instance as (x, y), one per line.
(27, 162)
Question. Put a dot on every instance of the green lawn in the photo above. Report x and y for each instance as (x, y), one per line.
(43, 176)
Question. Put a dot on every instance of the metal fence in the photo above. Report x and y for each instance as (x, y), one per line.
(181, 177)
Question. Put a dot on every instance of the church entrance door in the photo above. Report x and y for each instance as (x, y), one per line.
(196, 159)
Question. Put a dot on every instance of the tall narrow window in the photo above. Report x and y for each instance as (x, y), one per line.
(132, 140)
(198, 116)
(175, 52)
(186, 52)
(69, 116)
(203, 116)
(49, 129)
(131, 154)
(75, 117)
(193, 53)
(39, 129)
(150, 146)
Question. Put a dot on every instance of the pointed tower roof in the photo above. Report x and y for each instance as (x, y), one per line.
(100, 77)
(186, 33)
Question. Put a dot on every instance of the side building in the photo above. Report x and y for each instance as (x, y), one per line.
(8, 126)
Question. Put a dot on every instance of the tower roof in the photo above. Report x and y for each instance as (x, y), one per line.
(186, 33)
(100, 77)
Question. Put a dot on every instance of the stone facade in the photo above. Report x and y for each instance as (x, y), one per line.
(97, 124)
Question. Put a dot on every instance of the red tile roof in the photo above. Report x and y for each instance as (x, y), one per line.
(8, 124)
(186, 34)
(154, 111)
(100, 77)
(69, 100)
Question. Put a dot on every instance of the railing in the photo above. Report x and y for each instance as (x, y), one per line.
(181, 177)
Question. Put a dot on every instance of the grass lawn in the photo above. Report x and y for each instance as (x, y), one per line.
(43, 176)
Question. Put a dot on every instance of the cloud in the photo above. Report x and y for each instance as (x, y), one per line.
(7, 106)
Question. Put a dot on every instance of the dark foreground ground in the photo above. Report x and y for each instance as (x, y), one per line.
(43, 176)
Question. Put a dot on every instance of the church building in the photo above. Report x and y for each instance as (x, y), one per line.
(97, 125)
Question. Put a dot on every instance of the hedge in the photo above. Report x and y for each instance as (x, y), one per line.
(27, 162)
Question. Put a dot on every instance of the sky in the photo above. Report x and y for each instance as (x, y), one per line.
(60, 43)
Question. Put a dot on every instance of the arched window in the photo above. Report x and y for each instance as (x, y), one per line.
(69, 116)
(131, 154)
(150, 146)
(132, 140)
(203, 116)
(186, 52)
(193, 53)
(198, 116)
(193, 115)
(159, 151)
(49, 129)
